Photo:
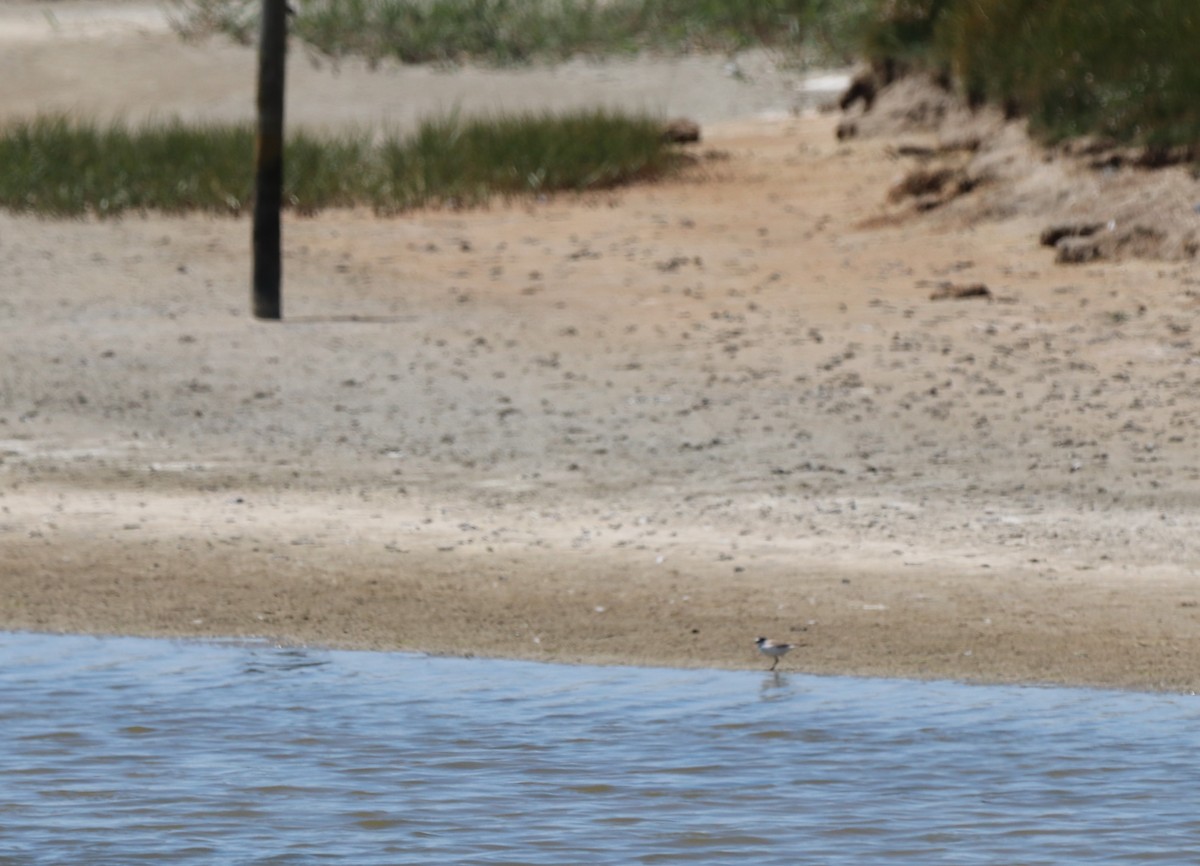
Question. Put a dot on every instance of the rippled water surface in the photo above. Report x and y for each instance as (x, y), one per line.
(121, 750)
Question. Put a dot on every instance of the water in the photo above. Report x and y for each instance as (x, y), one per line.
(127, 751)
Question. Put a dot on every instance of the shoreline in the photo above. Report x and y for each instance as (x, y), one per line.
(762, 667)
(281, 570)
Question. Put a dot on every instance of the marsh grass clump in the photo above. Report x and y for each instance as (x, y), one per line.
(468, 161)
(62, 167)
(1125, 71)
(59, 166)
(1122, 70)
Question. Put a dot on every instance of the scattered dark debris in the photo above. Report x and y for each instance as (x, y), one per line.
(1051, 235)
(862, 87)
(958, 291)
(681, 130)
(969, 144)
(933, 187)
(1102, 155)
(1076, 250)
(677, 262)
(1081, 247)
(923, 181)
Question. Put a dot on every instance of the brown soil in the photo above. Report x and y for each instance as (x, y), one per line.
(641, 427)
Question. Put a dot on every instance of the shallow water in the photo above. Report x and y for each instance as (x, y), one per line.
(120, 750)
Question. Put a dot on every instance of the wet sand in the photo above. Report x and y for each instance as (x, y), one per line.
(636, 427)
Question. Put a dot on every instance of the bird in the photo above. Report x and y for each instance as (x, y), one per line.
(774, 649)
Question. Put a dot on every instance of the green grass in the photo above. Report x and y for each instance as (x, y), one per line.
(61, 167)
(1116, 68)
(519, 31)
(58, 167)
(1126, 71)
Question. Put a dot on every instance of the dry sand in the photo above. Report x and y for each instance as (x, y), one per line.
(641, 427)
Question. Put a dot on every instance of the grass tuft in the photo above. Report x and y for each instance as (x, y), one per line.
(63, 167)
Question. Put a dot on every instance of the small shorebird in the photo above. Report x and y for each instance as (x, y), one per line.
(774, 649)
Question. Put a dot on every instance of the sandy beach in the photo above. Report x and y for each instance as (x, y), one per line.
(637, 427)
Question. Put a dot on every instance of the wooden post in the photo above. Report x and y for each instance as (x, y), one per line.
(268, 178)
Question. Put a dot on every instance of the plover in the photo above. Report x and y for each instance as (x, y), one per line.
(774, 649)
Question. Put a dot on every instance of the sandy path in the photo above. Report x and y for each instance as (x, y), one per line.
(640, 427)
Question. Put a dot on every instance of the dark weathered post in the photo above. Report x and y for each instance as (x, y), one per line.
(268, 179)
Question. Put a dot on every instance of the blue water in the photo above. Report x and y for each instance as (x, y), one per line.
(120, 750)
